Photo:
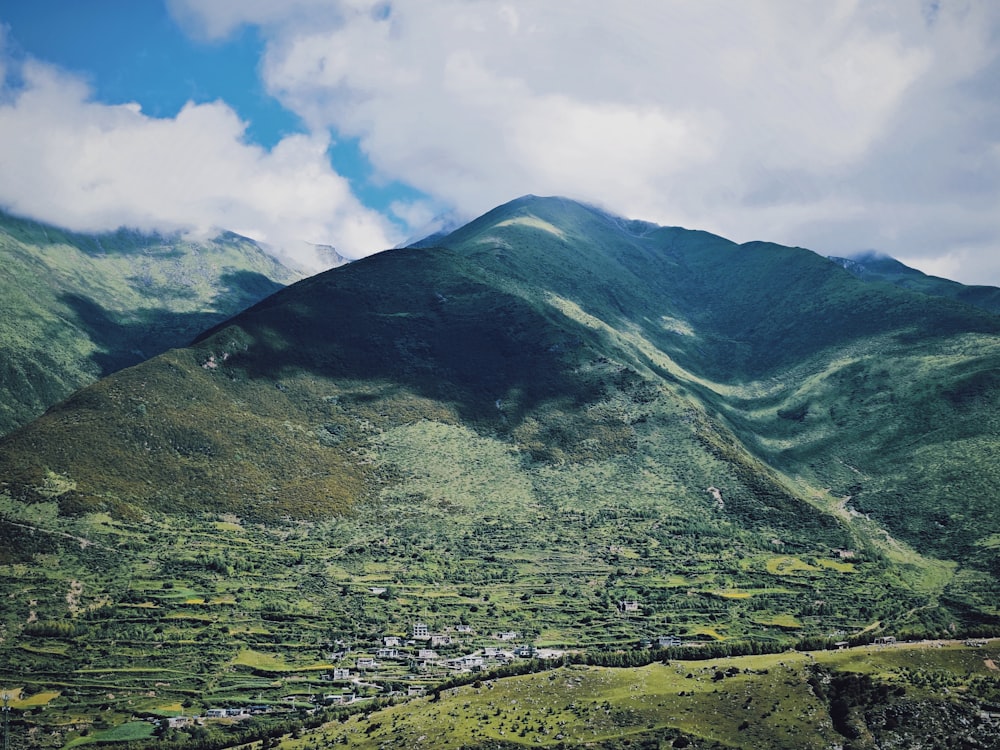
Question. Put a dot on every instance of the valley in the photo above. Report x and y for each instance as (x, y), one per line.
(558, 452)
(170, 619)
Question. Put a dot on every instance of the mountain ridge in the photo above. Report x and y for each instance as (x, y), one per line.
(874, 266)
(489, 315)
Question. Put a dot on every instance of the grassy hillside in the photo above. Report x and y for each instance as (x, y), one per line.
(78, 307)
(901, 697)
(587, 431)
(876, 399)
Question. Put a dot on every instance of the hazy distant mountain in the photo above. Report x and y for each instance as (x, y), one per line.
(75, 307)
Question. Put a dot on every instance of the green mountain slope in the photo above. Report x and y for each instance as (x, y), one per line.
(544, 324)
(871, 266)
(76, 307)
(558, 423)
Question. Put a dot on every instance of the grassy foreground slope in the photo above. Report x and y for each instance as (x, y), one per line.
(916, 696)
(76, 307)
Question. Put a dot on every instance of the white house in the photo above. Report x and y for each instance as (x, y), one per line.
(666, 641)
(339, 698)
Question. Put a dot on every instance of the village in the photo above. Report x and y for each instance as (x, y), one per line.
(401, 667)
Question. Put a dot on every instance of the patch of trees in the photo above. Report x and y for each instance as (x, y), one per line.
(54, 629)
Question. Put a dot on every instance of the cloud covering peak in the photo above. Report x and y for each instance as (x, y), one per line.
(834, 125)
(91, 166)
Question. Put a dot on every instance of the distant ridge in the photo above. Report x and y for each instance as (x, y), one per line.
(75, 307)
(873, 266)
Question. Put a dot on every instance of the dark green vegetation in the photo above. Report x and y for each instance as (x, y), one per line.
(872, 266)
(588, 431)
(77, 307)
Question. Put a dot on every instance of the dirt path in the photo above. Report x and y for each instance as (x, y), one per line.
(82, 541)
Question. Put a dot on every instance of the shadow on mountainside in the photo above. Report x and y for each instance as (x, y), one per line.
(124, 339)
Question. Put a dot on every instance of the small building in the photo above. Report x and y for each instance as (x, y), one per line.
(842, 645)
(420, 630)
(463, 628)
(387, 653)
(338, 698)
(427, 653)
(628, 605)
(392, 641)
(440, 640)
(668, 641)
(216, 713)
(366, 662)
(415, 691)
(525, 652)
(507, 635)
(885, 640)
(341, 673)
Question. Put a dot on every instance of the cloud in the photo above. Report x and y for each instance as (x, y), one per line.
(837, 125)
(90, 166)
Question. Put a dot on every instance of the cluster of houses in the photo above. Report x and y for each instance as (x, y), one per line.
(420, 651)
(236, 714)
(417, 650)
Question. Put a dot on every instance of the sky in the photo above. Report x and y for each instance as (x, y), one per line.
(838, 125)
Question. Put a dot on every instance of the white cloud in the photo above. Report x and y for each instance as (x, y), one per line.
(837, 124)
(90, 166)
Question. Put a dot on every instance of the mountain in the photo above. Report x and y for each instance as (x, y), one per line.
(556, 425)
(872, 266)
(76, 307)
